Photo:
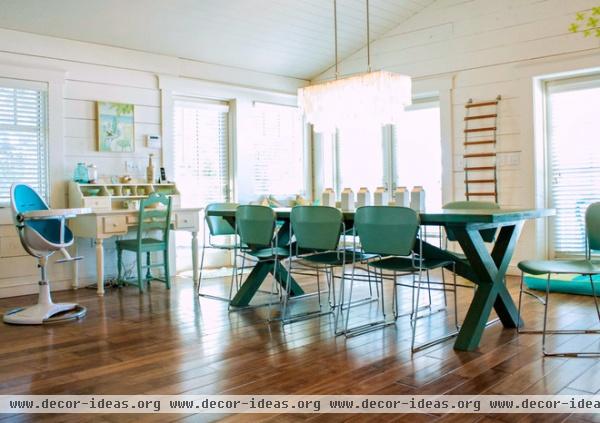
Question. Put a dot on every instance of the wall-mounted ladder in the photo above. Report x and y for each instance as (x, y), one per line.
(480, 159)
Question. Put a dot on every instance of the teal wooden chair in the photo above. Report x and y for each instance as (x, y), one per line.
(585, 267)
(155, 216)
(255, 227)
(221, 236)
(390, 233)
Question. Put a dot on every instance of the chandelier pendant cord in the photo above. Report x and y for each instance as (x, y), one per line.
(368, 41)
(335, 37)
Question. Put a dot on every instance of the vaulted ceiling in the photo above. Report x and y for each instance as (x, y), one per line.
(284, 37)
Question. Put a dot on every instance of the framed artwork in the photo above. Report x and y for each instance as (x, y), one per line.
(115, 127)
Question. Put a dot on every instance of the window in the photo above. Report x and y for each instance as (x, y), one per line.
(417, 151)
(360, 158)
(573, 112)
(23, 136)
(275, 151)
(408, 154)
(201, 149)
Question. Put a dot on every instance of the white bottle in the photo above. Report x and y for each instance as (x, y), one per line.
(401, 197)
(363, 197)
(150, 170)
(347, 199)
(417, 199)
(328, 197)
(380, 197)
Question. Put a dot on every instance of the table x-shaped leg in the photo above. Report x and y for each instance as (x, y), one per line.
(490, 270)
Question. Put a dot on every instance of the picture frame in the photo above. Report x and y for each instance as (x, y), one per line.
(116, 127)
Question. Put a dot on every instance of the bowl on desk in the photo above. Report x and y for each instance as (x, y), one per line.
(92, 192)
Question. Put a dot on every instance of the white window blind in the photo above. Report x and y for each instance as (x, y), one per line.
(573, 113)
(417, 151)
(23, 137)
(277, 150)
(201, 149)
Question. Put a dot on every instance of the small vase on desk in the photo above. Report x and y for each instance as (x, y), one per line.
(363, 197)
(150, 170)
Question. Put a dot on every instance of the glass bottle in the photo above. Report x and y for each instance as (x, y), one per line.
(80, 175)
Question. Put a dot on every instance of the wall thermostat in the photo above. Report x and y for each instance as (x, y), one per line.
(153, 141)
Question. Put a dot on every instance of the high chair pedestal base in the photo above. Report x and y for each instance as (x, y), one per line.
(44, 311)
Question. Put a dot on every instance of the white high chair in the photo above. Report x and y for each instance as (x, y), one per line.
(42, 232)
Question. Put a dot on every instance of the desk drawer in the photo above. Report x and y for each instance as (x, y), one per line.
(97, 203)
(114, 224)
(184, 220)
(132, 219)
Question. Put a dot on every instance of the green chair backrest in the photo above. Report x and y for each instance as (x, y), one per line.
(488, 235)
(387, 230)
(154, 215)
(316, 227)
(592, 227)
(218, 225)
(255, 225)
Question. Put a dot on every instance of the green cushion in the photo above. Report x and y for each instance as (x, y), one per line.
(148, 244)
(540, 267)
(568, 284)
(401, 264)
(332, 258)
(268, 253)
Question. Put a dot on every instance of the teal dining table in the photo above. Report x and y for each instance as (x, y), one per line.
(485, 268)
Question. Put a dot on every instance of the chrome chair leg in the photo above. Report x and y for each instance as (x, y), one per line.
(544, 332)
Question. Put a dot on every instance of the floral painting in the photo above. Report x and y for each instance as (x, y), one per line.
(115, 127)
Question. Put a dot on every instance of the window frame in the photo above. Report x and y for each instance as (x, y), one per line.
(424, 99)
(307, 153)
(208, 102)
(41, 88)
(55, 80)
(552, 86)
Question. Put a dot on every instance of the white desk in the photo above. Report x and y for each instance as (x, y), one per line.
(101, 225)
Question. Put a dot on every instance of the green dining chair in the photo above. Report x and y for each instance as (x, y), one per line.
(154, 217)
(391, 233)
(255, 226)
(584, 267)
(221, 236)
(316, 232)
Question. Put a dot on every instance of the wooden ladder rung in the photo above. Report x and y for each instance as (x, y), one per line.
(481, 117)
(489, 128)
(480, 168)
(468, 156)
(480, 181)
(480, 142)
(485, 103)
(481, 194)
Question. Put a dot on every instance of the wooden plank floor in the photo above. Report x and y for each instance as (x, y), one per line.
(169, 342)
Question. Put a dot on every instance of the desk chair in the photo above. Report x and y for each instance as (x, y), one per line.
(586, 267)
(42, 232)
(152, 217)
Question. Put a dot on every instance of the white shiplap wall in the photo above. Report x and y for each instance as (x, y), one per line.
(99, 73)
(491, 47)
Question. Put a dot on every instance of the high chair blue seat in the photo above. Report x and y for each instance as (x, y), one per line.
(42, 232)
